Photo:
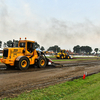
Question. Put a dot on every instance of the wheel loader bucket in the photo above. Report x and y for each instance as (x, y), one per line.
(50, 62)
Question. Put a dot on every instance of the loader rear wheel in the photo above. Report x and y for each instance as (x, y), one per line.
(23, 63)
(42, 62)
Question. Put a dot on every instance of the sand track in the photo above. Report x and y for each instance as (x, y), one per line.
(12, 84)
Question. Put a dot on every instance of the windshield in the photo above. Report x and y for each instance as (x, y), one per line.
(22, 44)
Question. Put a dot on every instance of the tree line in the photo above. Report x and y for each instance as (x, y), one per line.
(82, 49)
(55, 48)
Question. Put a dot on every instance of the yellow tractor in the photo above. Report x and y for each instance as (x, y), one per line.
(63, 55)
(23, 56)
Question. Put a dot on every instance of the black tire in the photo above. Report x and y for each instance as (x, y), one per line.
(41, 62)
(61, 56)
(23, 63)
(68, 57)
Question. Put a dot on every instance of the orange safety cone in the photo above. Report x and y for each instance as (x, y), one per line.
(84, 76)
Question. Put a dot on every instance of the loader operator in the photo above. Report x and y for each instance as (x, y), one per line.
(30, 49)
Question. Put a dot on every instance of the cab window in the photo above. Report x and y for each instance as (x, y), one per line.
(30, 46)
(22, 44)
(64, 51)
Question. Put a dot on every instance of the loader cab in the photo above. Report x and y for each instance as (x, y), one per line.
(28, 45)
(62, 51)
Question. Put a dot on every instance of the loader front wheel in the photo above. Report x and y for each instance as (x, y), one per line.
(42, 62)
(61, 56)
(68, 57)
(23, 63)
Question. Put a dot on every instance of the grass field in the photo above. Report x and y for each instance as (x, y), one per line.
(79, 89)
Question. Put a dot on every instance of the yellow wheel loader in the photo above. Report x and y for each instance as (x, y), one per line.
(23, 56)
(63, 55)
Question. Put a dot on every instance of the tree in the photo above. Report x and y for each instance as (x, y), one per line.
(42, 48)
(16, 43)
(0, 44)
(54, 48)
(76, 49)
(37, 45)
(5, 44)
(88, 49)
(82, 49)
(9, 43)
(96, 50)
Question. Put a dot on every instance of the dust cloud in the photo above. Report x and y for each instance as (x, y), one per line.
(47, 32)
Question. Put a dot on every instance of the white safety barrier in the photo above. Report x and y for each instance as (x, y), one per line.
(0, 54)
(84, 56)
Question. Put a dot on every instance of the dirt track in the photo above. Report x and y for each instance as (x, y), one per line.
(12, 84)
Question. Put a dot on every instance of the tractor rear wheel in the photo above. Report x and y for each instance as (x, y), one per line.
(42, 62)
(23, 63)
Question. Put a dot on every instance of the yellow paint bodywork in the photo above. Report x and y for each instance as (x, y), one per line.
(32, 59)
(13, 53)
(61, 53)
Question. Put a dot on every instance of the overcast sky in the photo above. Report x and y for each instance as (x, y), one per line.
(66, 23)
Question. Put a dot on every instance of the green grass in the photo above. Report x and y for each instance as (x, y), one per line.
(50, 56)
(79, 89)
(0, 56)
